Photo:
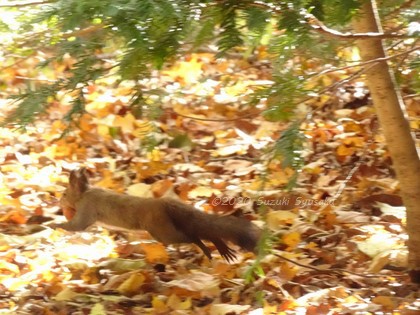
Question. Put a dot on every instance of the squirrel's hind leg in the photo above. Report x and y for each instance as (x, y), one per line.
(224, 250)
(203, 247)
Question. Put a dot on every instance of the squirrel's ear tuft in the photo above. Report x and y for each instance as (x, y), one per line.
(79, 180)
(83, 179)
(73, 175)
(82, 172)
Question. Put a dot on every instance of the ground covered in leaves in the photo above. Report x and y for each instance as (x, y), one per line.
(339, 239)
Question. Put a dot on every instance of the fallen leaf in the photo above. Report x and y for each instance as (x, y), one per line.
(291, 240)
(131, 285)
(225, 309)
(196, 283)
(155, 252)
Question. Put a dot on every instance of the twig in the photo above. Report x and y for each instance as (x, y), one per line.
(218, 120)
(22, 59)
(349, 176)
(83, 32)
(320, 27)
(339, 271)
(402, 60)
(411, 96)
(331, 87)
(367, 62)
(36, 79)
(245, 158)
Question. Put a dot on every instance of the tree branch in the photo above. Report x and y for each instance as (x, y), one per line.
(83, 32)
(361, 64)
(320, 27)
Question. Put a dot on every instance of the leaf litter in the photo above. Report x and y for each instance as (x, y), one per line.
(346, 256)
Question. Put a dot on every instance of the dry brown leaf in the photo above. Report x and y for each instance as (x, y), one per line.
(161, 187)
(196, 283)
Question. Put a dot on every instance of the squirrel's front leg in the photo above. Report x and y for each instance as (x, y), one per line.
(80, 221)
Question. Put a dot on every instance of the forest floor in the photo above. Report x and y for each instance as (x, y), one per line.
(339, 236)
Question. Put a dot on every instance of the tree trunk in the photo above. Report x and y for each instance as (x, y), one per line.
(392, 118)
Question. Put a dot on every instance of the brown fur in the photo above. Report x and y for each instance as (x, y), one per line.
(169, 221)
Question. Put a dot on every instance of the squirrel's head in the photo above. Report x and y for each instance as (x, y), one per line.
(78, 184)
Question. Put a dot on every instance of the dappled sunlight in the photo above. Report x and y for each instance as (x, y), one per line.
(87, 246)
(207, 157)
(47, 256)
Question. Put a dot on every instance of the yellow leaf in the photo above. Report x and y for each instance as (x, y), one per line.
(238, 89)
(188, 71)
(387, 302)
(343, 150)
(155, 155)
(85, 123)
(126, 123)
(9, 267)
(98, 309)
(132, 285)
(159, 306)
(14, 216)
(145, 170)
(66, 294)
(280, 177)
(109, 182)
(277, 219)
(352, 126)
(175, 303)
(311, 245)
(270, 308)
(103, 131)
(291, 240)
(354, 141)
(143, 128)
(288, 271)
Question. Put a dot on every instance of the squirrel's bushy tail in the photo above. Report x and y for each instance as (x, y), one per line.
(214, 228)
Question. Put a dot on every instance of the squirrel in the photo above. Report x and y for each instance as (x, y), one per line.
(169, 221)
